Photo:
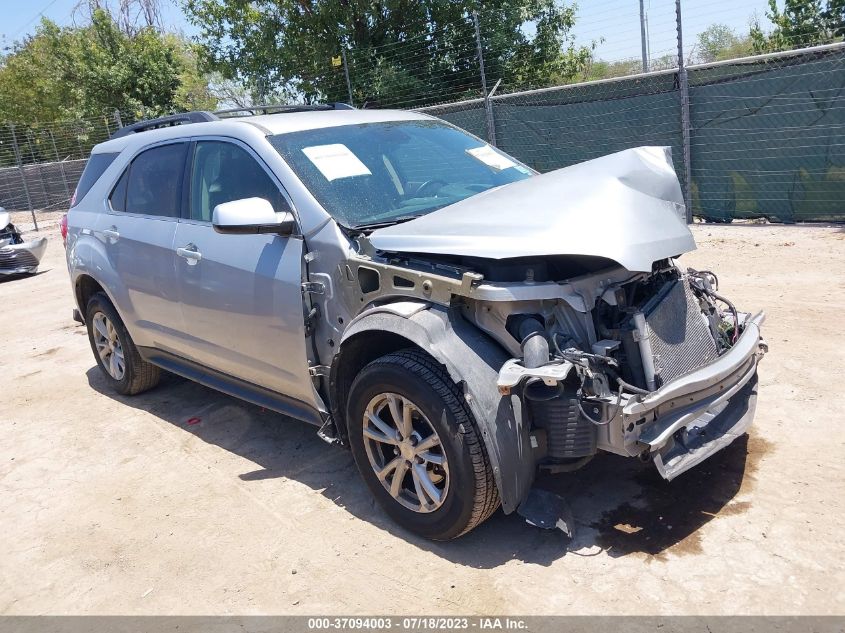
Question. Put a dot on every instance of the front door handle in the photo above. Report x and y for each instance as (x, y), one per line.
(111, 234)
(189, 252)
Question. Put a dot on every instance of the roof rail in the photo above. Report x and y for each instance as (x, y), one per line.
(283, 108)
(165, 121)
(201, 116)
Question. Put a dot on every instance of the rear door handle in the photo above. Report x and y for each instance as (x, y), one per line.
(111, 234)
(189, 252)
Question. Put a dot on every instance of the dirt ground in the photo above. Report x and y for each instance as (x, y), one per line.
(113, 505)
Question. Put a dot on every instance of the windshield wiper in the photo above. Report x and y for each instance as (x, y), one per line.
(380, 225)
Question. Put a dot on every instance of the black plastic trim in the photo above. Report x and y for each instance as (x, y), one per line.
(232, 386)
(165, 121)
(277, 108)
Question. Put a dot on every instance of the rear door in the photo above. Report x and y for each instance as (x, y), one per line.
(138, 230)
(241, 294)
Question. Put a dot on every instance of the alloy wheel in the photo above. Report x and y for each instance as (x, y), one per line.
(108, 346)
(405, 452)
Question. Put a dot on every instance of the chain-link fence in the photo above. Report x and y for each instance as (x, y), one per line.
(40, 164)
(766, 134)
(768, 137)
(752, 137)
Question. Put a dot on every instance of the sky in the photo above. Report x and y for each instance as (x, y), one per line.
(617, 21)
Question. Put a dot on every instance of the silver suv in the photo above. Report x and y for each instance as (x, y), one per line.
(457, 320)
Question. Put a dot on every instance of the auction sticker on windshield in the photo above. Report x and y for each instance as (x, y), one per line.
(492, 158)
(336, 161)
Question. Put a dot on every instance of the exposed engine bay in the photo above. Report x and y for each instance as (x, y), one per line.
(580, 368)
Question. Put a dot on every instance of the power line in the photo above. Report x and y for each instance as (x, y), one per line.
(33, 18)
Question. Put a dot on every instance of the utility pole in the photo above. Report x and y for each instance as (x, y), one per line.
(683, 85)
(488, 105)
(643, 36)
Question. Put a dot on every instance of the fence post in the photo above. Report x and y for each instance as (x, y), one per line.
(488, 105)
(117, 118)
(683, 84)
(346, 72)
(20, 171)
(39, 168)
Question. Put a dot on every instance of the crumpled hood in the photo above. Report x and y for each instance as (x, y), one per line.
(627, 207)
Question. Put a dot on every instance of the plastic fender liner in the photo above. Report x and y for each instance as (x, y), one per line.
(472, 360)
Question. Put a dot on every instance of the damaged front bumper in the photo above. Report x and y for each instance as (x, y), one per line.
(23, 258)
(680, 424)
(694, 416)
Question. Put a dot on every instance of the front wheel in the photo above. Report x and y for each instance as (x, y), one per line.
(418, 448)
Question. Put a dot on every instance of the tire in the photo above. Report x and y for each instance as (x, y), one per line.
(456, 465)
(137, 375)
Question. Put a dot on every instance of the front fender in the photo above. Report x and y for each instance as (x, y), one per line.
(473, 360)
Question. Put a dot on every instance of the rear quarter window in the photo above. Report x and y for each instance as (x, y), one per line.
(94, 168)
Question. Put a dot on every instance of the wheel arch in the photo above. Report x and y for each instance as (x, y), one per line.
(356, 351)
(471, 358)
(84, 288)
(93, 271)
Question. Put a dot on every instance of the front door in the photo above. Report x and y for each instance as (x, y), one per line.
(241, 294)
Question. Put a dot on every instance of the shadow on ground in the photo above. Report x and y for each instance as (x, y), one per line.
(620, 505)
(20, 276)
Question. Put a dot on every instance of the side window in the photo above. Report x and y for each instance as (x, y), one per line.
(117, 199)
(222, 172)
(154, 182)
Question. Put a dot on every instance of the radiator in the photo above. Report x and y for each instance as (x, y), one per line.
(677, 336)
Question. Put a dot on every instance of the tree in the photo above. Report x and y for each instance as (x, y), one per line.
(399, 52)
(718, 42)
(802, 23)
(83, 72)
(30, 80)
(601, 69)
(130, 16)
(834, 17)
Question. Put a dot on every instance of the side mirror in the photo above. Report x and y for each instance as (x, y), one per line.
(250, 216)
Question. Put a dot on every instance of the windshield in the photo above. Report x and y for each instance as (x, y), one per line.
(375, 174)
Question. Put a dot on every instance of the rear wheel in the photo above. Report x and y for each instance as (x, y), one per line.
(115, 352)
(417, 446)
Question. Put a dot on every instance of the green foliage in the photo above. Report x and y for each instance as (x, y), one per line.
(400, 52)
(601, 69)
(802, 23)
(30, 80)
(84, 72)
(718, 42)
